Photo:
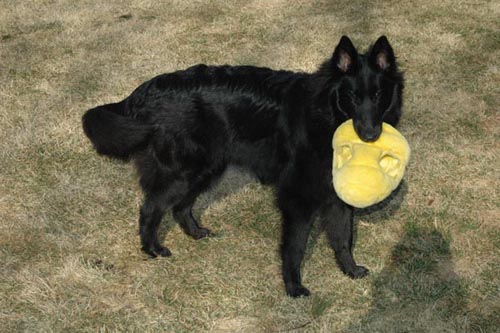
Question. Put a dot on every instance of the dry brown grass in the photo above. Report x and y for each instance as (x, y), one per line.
(69, 253)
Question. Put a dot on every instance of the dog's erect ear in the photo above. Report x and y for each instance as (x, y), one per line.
(382, 55)
(345, 55)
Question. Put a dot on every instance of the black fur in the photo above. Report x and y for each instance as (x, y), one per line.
(183, 129)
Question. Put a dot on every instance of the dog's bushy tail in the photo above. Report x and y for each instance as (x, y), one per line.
(114, 134)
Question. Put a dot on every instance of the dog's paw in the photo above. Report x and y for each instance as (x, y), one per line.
(298, 291)
(156, 251)
(163, 251)
(358, 272)
(201, 233)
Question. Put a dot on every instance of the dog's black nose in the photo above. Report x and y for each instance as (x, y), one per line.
(367, 131)
(370, 135)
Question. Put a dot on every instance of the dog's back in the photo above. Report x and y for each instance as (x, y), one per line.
(201, 118)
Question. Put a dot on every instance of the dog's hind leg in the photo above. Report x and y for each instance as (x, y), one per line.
(183, 214)
(154, 207)
(337, 221)
(182, 211)
(151, 214)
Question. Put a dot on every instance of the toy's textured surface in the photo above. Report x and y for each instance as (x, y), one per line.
(365, 173)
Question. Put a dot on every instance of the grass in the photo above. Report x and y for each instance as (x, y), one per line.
(69, 249)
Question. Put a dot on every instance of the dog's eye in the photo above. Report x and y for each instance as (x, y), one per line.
(354, 97)
(376, 95)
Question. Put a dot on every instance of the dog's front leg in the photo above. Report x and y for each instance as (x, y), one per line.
(297, 222)
(337, 221)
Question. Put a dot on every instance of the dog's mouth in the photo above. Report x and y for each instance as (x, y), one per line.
(368, 133)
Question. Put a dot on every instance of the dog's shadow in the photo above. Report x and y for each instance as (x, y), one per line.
(386, 208)
(375, 214)
(232, 181)
(418, 290)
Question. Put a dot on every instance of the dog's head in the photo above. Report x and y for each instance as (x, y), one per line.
(369, 88)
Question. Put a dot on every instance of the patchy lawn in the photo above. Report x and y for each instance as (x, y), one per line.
(69, 252)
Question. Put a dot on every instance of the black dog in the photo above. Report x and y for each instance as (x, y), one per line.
(183, 129)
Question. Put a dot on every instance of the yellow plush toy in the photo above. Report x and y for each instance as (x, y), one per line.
(365, 173)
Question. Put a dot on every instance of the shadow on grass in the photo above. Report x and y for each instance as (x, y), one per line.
(419, 289)
(231, 182)
(387, 207)
(374, 214)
